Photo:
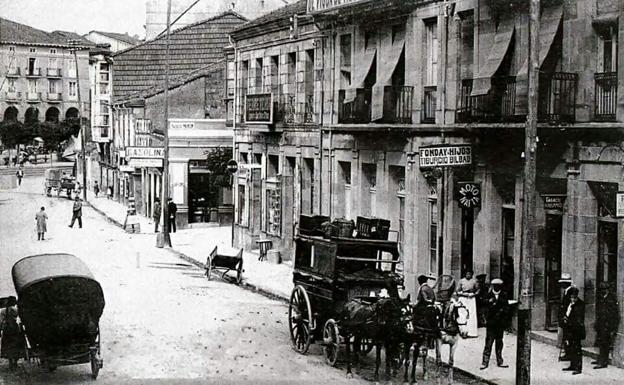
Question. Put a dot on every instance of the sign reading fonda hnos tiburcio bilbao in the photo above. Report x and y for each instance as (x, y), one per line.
(329, 5)
(445, 155)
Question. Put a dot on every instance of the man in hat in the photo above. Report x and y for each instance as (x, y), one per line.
(574, 330)
(565, 283)
(497, 314)
(76, 213)
(426, 295)
(607, 321)
(12, 345)
(156, 214)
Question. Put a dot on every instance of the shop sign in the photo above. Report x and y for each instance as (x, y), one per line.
(232, 166)
(124, 168)
(259, 108)
(619, 204)
(469, 194)
(445, 155)
(145, 152)
(182, 125)
(145, 162)
(553, 201)
(316, 6)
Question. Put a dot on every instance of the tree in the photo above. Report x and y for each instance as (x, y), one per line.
(217, 159)
(10, 132)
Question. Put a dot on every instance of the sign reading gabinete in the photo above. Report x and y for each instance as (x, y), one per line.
(445, 155)
(145, 152)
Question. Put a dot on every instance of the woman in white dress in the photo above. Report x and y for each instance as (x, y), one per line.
(467, 290)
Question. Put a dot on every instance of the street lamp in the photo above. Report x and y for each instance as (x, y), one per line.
(74, 48)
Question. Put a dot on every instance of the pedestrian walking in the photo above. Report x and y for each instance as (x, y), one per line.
(574, 330)
(173, 209)
(77, 213)
(12, 345)
(109, 192)
(607, 322)
(42, 218)
(565, 283)
(467, 290)
(20, 175)
(96, 189)
(497, 319)
(156, 214)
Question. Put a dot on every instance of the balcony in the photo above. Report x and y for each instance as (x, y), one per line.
(398, 104)
(33, 97)
(356, 111)
(54, 73)
(557, 97)
(33, 72)
(54, 97)
(13, 72)
(285, 107)
(605, 96)
(429, 104)
(13, 96)
(497, 106)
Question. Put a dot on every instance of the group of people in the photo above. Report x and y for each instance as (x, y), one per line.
(96, 190)
(173, 209)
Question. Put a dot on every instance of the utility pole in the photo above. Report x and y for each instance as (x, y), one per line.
(75, 47)
(528, 243)
(165, 238)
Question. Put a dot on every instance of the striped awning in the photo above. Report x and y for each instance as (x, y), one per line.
(502, 40)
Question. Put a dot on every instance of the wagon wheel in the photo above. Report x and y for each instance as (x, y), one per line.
(239, 273)
(48, 191)
(331, 342)
(209, 268)
(300, 320)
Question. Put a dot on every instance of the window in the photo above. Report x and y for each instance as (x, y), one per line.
(104, 89)
(245, 76)
(241, 205)
(52, 51)
(274, 211)
(274, 75)
(104, 67)
(431, 53)
(32, 85)
(344, 169)
(509, 226)
(12, 49)
(104, 76)
(53, 87)
(307, 196)
(72, 89)
(345, 59)
(370, 39)
(12, 85)
(258, 76)
(32, 64)
(244, 158)
(433, 235)
(291, 67)
(72, 67)
(608, 57)
(273, 166)
(32, 50)
(52, 62)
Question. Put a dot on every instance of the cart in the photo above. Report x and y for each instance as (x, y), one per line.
(328, 274)
(60, 305)
(57, 181)
(227, 260)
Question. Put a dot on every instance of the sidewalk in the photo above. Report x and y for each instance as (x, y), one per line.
(194, 245)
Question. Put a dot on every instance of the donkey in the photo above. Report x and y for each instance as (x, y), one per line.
(421, 335)
(382, 322)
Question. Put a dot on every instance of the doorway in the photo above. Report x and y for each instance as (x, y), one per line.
(606, 271)
(552, 251)
(466, 240)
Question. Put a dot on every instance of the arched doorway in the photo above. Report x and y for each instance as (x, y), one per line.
(71, 113)
(52, 115)
(31, 116)
(10, 114)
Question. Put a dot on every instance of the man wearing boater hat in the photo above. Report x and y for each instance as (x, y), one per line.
(497, 315)
(565, 282)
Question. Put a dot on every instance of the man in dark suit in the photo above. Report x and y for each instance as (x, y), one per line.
(607, 321)
(574, 330)
(565, 282)
(497, 320)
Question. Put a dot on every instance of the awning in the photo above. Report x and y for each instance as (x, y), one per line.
(549, 26)
(361, 71)
(388, 63)
(483, 81)
(605, 193)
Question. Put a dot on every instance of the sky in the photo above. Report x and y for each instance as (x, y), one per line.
(79, 16)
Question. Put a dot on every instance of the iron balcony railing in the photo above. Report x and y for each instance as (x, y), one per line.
(13, 95)
(33, 96)
(55, 97)
(605, 96)
(357, 110)
(13, 72)
(54, 72)
(398, 104)
(429, 104)
(498, 105)
(557, 97)
(33, 72)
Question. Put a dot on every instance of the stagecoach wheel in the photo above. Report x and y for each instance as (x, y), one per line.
(239, 273)
(331, 342)
(300, 320)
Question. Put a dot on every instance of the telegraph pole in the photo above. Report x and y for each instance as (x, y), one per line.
(528, 245)
(165, 238)
(83, 153)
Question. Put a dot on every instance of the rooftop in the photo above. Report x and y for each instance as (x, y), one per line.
(282, 13)
(123, 37)
(12, 32)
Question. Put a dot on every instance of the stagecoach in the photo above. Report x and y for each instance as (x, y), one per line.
(57, 180)
(330, 273)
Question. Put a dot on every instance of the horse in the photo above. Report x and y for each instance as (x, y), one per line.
(381, 322)
(453, 315)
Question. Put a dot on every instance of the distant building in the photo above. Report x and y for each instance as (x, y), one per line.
(38, 80)
(156, 13)
(117, 41)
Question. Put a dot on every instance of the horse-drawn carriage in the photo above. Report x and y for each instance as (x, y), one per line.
(57, 180)
(59, 304)
(336, 276)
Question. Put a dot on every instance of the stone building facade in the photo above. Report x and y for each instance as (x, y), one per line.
(399, 87)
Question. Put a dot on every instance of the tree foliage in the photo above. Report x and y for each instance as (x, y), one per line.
(217, 159)
(11, 132)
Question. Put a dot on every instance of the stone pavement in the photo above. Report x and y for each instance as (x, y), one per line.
(194, 245)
